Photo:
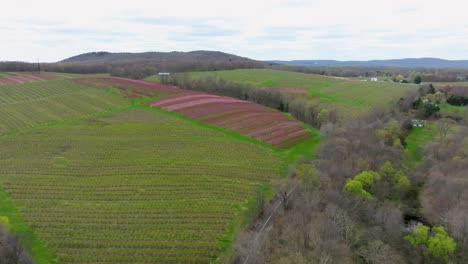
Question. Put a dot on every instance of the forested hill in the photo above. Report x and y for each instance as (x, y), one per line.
(404, 63)
(139, 65)
(174, 56)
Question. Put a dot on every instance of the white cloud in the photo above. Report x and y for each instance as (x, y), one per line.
(277, 29)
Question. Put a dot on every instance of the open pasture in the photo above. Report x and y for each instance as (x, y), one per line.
(133, 187)
(350, 97)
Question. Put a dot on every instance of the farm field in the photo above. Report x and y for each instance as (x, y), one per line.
(267, 125)
(24, 105)
(136, 186)
(349, 97)
(249, 119)
(11, 78)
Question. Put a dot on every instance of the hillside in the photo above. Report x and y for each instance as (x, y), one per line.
(349, 97)
(192, 56)
(96, 175)
(132, 187)
(403, 63)
(140, 65)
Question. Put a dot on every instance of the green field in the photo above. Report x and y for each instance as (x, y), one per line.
(416, 140)
(448, 110)
(29, 104)
(136, 186)
(350, 97)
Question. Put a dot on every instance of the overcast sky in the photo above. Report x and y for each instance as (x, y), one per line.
(48, 30)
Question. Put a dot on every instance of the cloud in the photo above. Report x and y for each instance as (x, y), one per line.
(264, 29)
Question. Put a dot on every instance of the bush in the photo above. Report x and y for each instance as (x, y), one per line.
(457, 100)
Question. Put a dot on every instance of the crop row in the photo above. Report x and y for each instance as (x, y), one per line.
(241, 116)
(23, 78)
(133, 187)
(215, 110)
(30, 104)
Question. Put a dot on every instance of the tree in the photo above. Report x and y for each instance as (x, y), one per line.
(419, 236)
(379, 253)
(417, 79)
(437, 245)
(439, 97)
(443, 127)
(361, 181)
(323, 116)
(293, 258)
(308, 174)
(441, 245)
(355, 187)
(390, 133)
(367, 178)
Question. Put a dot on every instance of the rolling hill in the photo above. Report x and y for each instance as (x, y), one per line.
(349, 97)
(191, 56)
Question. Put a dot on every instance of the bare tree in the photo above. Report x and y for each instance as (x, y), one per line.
(443, 127)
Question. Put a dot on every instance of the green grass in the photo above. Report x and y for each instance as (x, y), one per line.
(132, 187)
(448, 110)
(30, 104)
(36, 248)
(272, 78)
(350, 97)
(416, 140)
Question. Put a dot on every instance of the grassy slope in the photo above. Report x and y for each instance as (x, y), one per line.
(448, 110)
(415, 142)
(350, 97)
(419, 137)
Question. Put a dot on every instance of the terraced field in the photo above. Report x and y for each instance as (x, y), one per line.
(133, 187)
(349, 97)
(24, 105)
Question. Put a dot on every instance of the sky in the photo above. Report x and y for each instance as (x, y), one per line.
(49, 30)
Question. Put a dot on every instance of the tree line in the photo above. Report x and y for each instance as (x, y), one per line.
(313, 114)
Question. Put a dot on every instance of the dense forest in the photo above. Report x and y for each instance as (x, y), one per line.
(360, 200)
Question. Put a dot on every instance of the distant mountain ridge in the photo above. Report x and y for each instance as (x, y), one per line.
(405, 63)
